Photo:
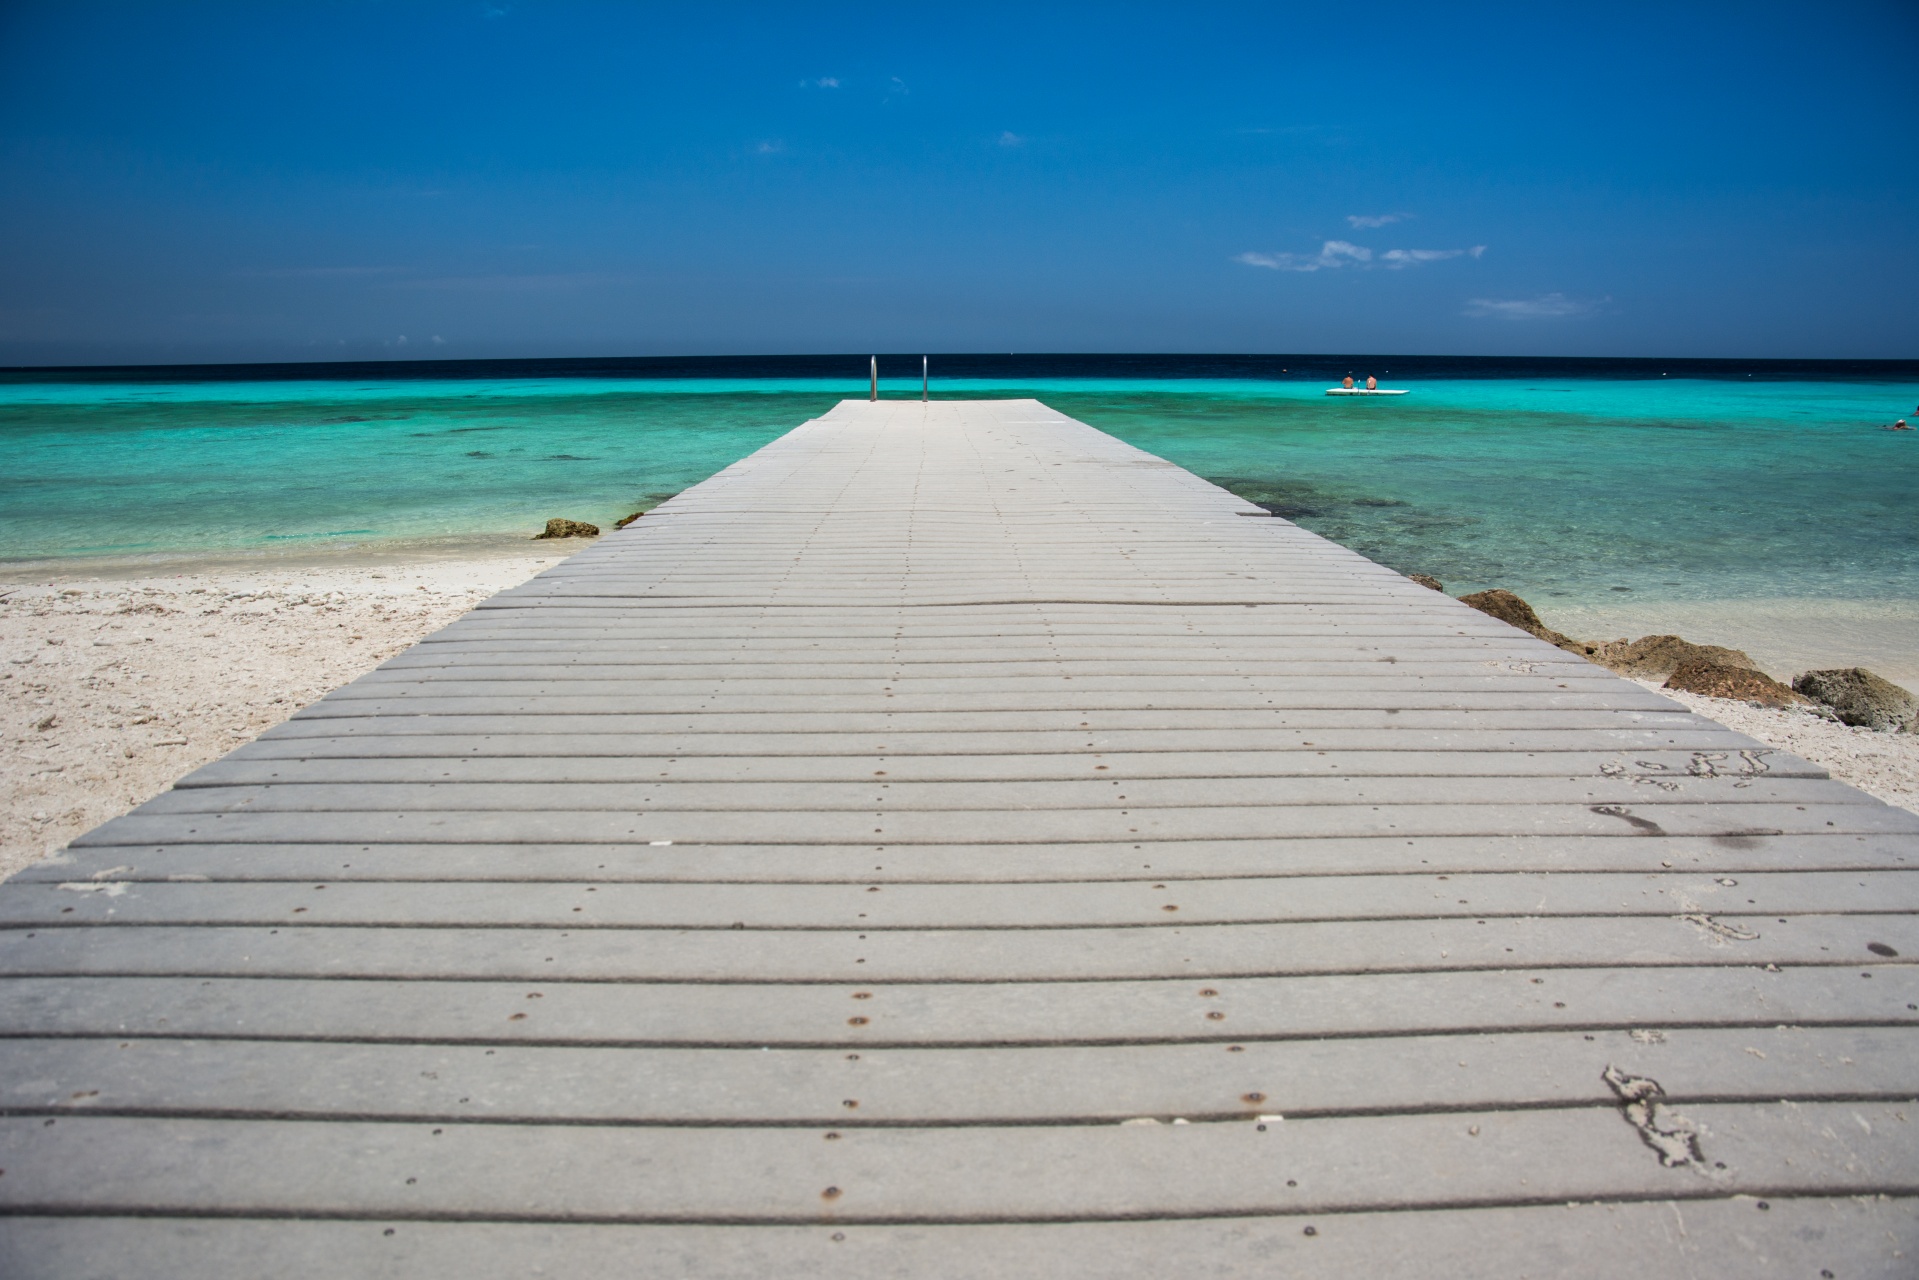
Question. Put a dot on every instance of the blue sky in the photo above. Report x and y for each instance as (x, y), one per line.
(187, 182)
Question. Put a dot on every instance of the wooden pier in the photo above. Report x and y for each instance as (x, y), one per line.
(951, 842)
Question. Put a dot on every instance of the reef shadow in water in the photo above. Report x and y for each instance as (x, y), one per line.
(1296, 499)
(1391, 531)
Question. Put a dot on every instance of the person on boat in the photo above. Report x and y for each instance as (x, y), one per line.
(1372, 383)
(1348, 383)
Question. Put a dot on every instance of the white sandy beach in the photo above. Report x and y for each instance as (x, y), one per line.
(113, 688)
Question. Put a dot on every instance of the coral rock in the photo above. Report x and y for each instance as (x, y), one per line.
(1511, 610)
(1651, 656)
(624, 521)
(557, 528)
(1742, 684)
(1428, 582)
(1858, 697)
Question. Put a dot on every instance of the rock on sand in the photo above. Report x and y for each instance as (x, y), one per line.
(1858, 697)
(557, 528)
(1720, 680)
(1510, 609)
(1660, 656)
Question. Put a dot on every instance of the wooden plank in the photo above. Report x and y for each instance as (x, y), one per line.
(968, 906)
(881, 790)
(1093, 953)
(958, 1174)
(429, 701)
(1204, 748)
(357, 761)
(536, 681)
(472, 1010)
(522, 1084)
(1009, 826)
(950, 862)
(1636, 727)
(1802, 1236)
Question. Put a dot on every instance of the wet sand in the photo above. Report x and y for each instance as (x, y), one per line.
(1784, 636)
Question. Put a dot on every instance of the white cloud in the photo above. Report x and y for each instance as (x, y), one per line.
(1399, 259)
(1366, 221)
(824, 82)
(1334, 254)
(1547, 306)
(769, 147)
(897, 85)
(1011, 139)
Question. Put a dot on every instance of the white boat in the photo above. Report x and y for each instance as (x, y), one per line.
(1361, 391)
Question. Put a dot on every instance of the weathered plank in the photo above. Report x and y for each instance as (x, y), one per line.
(969, 906)
(777, 862)
(880, 789)
(573, 1173)
(358, 762)
(522, 1084)
(1015, 826)
(1872, 1239)
(1651, 999)
(1037, 954)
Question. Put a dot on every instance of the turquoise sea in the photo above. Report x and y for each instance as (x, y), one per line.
(1581, 489)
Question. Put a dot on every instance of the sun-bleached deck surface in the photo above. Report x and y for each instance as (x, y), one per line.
(927, 848)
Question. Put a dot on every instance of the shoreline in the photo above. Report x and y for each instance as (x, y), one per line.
(1784, 635)
(294, 559)
(141, 677)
